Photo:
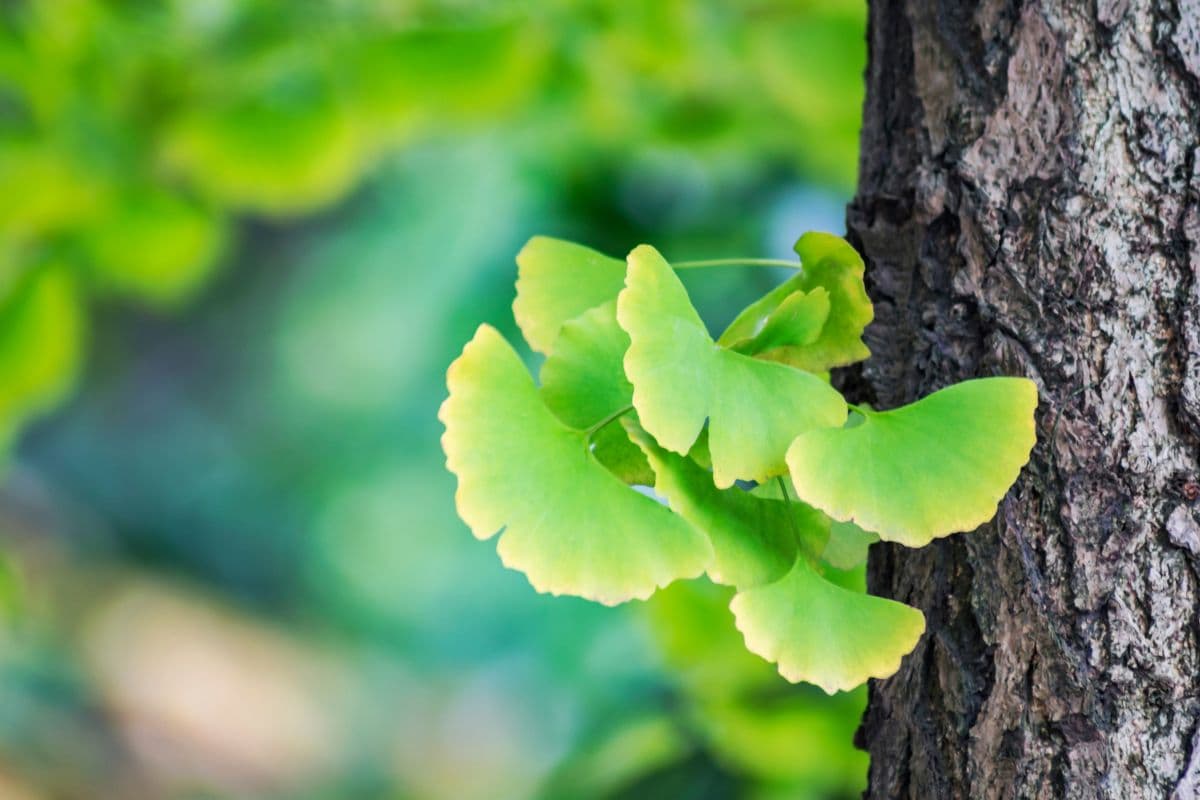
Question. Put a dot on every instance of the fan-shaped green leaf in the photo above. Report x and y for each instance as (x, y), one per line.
(583, 379)
(557, 281)
(583, 383)
(795, 322)
(570, 525)
(925, 470)
(681, 378)
(822, 633)
(828, 263)
(754, 539)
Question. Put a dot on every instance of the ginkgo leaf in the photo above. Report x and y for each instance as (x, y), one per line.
(583, 383)
(822, 633)
(681, 378)
(847, 546)
(828, 263)
(932, 468)
(754, 539)
(570, 525)
(583, 379)
(796, 321)
(557, 281)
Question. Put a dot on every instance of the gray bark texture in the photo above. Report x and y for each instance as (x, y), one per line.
(1029, 204)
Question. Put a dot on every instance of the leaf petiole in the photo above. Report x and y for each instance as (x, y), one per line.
(736, 262)
(596, 428)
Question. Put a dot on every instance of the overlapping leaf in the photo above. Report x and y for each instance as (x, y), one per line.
(556, 282)
(829, 266)
(925, 470)
(681, 378)
(570, 525)
(583, 383)
(820, 632)
(754, 540)
(795, 322)
(816, 630)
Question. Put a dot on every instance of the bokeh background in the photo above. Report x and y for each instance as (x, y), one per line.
(241, 241)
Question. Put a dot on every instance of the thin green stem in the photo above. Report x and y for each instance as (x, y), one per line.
(860, 409)
(736, 262)
(787, 498)
(611, 418)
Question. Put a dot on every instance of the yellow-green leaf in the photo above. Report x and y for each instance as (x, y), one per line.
(570, 525)
(827, 263)
(154, 244)
(795, 322)
(557, 281)
(754, 539)
(583, 383)
(929, 469)
(848, 545)
(41, 344)
(819, 632)
(681, 378)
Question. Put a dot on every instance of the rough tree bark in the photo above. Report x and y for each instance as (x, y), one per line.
(1029, 204)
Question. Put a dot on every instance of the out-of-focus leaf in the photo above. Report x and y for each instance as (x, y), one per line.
(441, 74)
(283, 143)
(41, 343)
(154, 244)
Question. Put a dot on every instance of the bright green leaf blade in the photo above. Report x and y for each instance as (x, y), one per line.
(929, 469)
(797, 321)
(612, 448)
(753, 318)
(754, 540)
(583, 382)
(821, 633)
(556, 282)
(583, 379)
(682, 378)
(848, 545)
(829, 263)
(570, 525)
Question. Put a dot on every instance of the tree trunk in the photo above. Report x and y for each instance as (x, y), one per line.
(1028, 205)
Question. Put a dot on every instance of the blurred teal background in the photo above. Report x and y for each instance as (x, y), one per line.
(241, 241)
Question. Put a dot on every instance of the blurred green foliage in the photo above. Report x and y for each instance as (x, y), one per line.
(264, 457)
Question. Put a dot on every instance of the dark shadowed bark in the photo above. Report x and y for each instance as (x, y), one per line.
(1029, 204)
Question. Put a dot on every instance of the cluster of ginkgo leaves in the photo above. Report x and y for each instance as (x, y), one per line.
(635, 392)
